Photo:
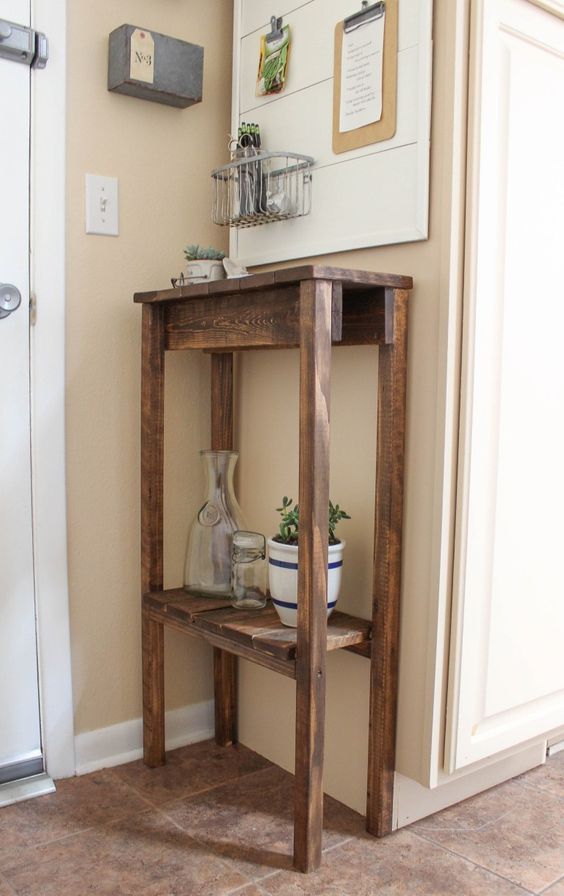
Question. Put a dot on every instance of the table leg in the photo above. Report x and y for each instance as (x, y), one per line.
(153, 692)
(315, 360)
(224, 664)
(387, 565)
(152, 479)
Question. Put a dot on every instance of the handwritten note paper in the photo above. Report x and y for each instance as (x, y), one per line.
(361, 76)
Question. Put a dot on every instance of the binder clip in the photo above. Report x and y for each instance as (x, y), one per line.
(365, 15)
(275, 29)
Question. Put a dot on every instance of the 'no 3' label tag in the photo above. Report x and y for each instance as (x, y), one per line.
(142, 60)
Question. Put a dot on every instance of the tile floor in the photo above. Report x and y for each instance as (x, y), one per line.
(215, 822)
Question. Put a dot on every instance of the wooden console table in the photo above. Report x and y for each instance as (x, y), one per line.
(311, 307)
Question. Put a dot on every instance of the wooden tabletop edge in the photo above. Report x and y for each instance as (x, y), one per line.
(283, 276)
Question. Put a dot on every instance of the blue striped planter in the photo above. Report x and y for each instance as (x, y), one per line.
(283, 579)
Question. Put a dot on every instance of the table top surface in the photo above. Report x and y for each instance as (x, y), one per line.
(283, 277)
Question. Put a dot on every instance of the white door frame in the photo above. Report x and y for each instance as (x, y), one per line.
(48, 390)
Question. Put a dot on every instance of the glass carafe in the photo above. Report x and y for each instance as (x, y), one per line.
(208, 558)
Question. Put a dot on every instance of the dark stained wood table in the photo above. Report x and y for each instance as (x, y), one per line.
(310, 307)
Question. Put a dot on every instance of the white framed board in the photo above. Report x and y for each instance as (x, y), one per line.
(374, 195)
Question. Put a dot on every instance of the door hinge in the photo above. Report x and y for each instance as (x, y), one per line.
(21, 44)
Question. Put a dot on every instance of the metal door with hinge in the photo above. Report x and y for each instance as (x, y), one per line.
(20, 729)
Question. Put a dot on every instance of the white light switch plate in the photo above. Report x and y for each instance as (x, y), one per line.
(102, 205)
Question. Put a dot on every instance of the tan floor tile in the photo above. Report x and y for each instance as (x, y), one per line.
(143, 854)
(525, 845)
(251, 890)
(400, 865)
(190, 770)
(549, 776)
(78, 804)
(556, 890)
(474, 813)
(57, 852)
(5, 890)
(251, 821)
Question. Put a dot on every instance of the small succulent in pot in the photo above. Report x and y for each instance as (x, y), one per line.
(199, 253)
(204, 263)
(283, 560)
(289, 527)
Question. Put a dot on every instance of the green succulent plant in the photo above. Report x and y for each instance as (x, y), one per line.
(289, 527)
(196, 253)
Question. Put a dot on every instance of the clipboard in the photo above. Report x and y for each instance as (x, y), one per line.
(386, 127)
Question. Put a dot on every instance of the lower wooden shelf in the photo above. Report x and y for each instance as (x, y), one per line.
(256, 635)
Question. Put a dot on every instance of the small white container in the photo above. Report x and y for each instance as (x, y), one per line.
(283, 579)
(204, 269)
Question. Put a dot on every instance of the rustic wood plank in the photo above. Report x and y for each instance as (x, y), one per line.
(235, 285)
(228, 646)
(260, 630)
(337, 312)
(358, 318)
(153, 691)
(241, 626)
(364, 318)
(225, 675)
(231, 287)
(349, 278)
(387, 571)
(263, 280)
(224, 664)
(315, 360)
(222, 401)
(152, 448)
(181, 605)
(228, 286)
(152, 473)
(342, 631)
(243, 321)
(389, 316)
(172, 294)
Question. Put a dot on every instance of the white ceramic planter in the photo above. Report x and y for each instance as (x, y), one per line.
(283, 579)
(204, 269)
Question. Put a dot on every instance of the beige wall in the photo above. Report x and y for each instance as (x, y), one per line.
(164, 203)
(162, 157)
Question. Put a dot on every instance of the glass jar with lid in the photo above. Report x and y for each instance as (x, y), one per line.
(248, 570)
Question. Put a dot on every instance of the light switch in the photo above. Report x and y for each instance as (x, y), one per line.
(102, 205)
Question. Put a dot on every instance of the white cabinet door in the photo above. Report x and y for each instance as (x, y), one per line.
(507, 652)
(20, 739)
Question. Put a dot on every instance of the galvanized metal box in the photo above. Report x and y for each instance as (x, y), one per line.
(155, 67)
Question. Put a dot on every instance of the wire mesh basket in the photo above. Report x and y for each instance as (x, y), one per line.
(258, 187)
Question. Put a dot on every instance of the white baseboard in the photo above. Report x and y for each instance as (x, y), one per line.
(106, 747)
